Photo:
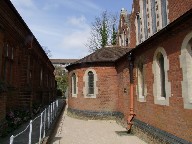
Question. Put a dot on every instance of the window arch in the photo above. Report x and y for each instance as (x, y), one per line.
(161, 86)
(186, 65)
(141, 85)
(74, 85)
(90, 89)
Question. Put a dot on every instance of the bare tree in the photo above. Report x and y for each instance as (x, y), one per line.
(47, 51)
(103, 31)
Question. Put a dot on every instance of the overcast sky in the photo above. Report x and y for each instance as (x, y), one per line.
(63, 26)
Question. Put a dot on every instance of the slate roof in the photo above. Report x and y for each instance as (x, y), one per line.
(107, 54)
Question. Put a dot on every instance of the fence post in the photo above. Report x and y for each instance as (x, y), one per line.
(48, 116)
(40, 128)
(51, 112)
(30, 131)
(11, 139)
(44, 122)
(57, 105)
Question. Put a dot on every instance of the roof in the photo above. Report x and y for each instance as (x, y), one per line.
(106, 54)
(63, 61)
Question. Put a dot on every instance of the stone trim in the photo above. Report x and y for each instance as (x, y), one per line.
(157, 134)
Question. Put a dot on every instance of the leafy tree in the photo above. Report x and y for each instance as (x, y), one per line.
(103, 31)
(61, 78)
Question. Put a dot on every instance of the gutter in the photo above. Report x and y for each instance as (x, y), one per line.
(131, 111)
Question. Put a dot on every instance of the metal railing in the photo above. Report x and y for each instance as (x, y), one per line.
(40, 123)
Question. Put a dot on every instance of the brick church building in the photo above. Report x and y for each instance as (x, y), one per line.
(145, 82)
(26, 73)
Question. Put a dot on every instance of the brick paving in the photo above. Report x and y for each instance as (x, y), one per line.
(75, 131)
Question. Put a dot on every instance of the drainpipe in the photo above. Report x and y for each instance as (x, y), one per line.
(131, 112)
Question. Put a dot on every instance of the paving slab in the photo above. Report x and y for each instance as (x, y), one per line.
(75, 131)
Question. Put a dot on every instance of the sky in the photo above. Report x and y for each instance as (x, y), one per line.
(63, 26)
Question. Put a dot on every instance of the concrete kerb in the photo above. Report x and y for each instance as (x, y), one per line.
(54, 125)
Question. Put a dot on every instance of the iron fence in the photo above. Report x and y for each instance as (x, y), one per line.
(36, 130)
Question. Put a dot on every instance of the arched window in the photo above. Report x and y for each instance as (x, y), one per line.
(186, 65)
(138, 23)
(145, 18)
(164, 12)
(161, 86)
(74, 85)
(153, 15)
(141, 80)
(141, 85)
(161, 74)
(90, 90)
(90, 82)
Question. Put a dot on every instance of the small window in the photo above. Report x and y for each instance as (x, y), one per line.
(90, 82)
(12, 53)
(7, 50)
(41, 76)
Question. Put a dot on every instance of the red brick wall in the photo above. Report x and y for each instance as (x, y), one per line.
(107, 90)
(178, 8)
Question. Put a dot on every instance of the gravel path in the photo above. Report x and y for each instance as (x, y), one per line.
(75, 131)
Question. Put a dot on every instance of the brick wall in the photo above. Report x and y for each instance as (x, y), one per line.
(178, 8)
(123, 88)
(107, 90)
(173, 118)
(23, 70)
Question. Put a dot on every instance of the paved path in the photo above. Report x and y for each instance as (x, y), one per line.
(75, 131)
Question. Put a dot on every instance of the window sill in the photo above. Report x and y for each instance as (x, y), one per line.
(90, 96)
(161, 98)
(74, 95)
(162, 101)
(142, 98)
